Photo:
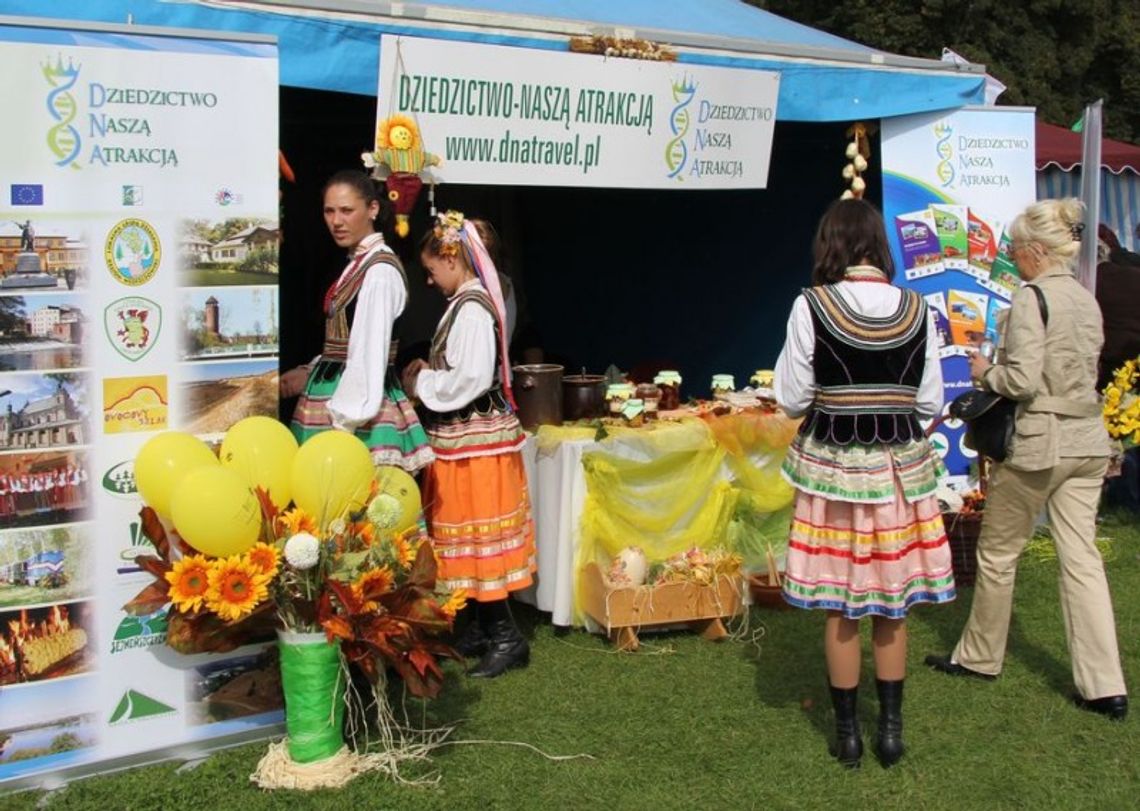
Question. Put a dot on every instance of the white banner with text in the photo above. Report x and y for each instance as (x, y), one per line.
(501, 115)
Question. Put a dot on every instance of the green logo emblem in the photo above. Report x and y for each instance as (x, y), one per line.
(134, 706)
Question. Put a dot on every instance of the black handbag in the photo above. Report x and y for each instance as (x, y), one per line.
(989, 417)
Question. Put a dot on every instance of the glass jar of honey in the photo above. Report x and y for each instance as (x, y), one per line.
(668, 383)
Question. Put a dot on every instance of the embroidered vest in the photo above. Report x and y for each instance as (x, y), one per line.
(437, 359)
(340, 305)
(867, 370)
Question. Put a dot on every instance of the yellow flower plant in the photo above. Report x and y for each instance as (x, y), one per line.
(1122, 404)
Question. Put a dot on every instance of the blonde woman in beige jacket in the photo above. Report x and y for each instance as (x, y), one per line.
(1057, 460)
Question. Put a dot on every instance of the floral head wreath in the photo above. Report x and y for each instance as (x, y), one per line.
(448, 232)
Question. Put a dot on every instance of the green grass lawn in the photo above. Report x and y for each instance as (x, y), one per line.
(692, 724)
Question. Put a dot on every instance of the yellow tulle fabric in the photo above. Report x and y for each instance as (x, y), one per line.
(677, 485)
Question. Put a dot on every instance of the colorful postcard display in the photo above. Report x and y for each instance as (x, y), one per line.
(950, 237)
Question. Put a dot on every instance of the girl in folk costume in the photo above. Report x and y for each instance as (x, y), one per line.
(861, 364)
(475, 493)
(7, 500)
(351, 385)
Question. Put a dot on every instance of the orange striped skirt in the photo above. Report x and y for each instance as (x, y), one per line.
(480, 524)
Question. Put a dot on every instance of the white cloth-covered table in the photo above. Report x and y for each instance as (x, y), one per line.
(557, 488)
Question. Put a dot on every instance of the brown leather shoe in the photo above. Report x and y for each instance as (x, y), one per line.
(943, 664)
(1114, 707)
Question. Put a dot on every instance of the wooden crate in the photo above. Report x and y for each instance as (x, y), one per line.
(623, 610)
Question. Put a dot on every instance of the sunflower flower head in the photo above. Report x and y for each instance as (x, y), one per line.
(403, 551)
(236, 588)
(189, 582)
(297, 520)
(455, 603)
(266, 558)
(371, 584)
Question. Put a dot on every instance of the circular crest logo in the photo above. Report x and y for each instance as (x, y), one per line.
(132, 252)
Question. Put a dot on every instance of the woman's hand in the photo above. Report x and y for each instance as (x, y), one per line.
(978, 366)
(293, 381)
(411, 372)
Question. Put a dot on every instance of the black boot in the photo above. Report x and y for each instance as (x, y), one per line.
(889, 744)
(506, 647)
(848, 748)
(471, 640)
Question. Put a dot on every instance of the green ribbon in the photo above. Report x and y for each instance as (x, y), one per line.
(313, 682)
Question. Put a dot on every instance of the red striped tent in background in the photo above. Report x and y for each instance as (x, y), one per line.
(1059, 175)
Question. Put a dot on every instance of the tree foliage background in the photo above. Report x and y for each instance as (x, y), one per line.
(1056, 55)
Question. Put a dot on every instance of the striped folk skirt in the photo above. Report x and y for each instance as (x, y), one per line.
(480, 524)
(867, 559)
(394, 436)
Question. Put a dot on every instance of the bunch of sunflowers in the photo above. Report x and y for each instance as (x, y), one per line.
(1122, 404)
(358, 580)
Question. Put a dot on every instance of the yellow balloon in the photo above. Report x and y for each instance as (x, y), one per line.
(162, 463)
(261, 451)
(216, 512)
(399, 484)
(332, 473)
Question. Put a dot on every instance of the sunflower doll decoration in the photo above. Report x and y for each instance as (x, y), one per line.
(400, 154)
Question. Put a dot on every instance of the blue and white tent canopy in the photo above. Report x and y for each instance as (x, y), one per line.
(334, 44)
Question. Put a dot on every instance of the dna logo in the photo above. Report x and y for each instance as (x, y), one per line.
(62, 139)
(676, 150)
(945, 150)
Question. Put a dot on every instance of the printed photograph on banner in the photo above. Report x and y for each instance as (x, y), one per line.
(229, 322)
(51, 726)
(984, 235)
(950, 222)
(921, 251)
(38, 253)
(50, 745)
(967, 317)
(224, 252)
(234, 688)
(42, 332)
(135, 404)
(46, 565)
(132, 251)
(937, 303)
(46, 642)
(994, 319)
(216, 395)
(132, 325)
(44, 487)
(1004, 273)
(44, 410)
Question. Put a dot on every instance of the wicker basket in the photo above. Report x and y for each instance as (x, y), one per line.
(963, 529)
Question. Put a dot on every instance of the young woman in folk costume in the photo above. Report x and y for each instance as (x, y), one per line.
(861, 364)
(351, 385)
(475, 493)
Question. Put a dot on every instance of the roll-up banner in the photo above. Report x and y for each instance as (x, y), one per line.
(952, 184)
(138, 293)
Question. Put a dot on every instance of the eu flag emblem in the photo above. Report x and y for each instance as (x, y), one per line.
(27, 194)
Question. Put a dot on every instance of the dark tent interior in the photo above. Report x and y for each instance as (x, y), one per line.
(700, 281)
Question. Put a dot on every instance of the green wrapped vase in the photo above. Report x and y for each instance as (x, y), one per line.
(313, 681)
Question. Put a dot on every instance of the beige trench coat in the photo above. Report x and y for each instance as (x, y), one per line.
(1051, 373)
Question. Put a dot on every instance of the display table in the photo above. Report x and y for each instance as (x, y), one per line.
(665, 487)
